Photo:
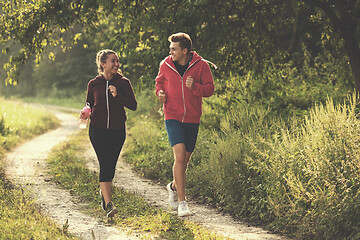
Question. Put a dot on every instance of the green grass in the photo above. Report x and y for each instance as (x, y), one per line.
(68, 169)
(19, 215)
(21, 219)
(72, 102)
(20, 121)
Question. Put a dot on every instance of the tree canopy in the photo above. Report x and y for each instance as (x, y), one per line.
(238, 35)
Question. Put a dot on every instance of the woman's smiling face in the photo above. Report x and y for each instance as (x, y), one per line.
(111, 65)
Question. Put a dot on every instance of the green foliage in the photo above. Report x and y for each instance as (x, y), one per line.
(64, 78)
(298, 177)
(285, 89)
(67, 76)
(219, 160)
(3, 129)
(300, 180)
(317, 176)
(239, 35)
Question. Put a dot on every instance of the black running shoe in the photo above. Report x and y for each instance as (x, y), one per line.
(111, 210)
(102, 201)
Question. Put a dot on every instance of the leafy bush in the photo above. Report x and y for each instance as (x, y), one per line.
(312, 173)
(226, 179)
(3, 129)
(299, 176)
(302, 180)
(287, 89)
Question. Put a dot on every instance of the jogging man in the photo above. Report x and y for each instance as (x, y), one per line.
(184, 78)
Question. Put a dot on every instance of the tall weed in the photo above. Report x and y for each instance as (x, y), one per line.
(229, 181)
(322, 180)
(299, 177)
(309, 175)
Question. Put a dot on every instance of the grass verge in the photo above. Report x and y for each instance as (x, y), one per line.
(19, 215)
(70, 102)
(21, 219)
(68, 169)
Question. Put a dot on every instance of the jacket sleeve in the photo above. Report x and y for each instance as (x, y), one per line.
(160, 80)
(206, 86)
(90, 95)
(127, 99)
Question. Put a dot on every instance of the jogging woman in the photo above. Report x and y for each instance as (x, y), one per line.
(108, 94)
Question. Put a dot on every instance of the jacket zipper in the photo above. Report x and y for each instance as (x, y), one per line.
(182, 84)
(107, 104)
(183, 95)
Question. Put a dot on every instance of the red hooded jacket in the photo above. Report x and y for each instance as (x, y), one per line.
(182, 103)
(107, 111)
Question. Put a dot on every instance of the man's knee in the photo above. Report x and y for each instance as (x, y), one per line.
(180, 158)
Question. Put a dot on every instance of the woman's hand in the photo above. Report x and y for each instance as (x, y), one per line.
(83, 115)
(113, 90)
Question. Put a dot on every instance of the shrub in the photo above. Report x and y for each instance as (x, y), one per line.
(312, 174)
(3, 129)
(149, 150)
(299, 176)
(301, 181)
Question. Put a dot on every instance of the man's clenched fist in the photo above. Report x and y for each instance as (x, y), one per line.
(161, 96)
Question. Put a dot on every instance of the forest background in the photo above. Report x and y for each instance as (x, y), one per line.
(279, 142)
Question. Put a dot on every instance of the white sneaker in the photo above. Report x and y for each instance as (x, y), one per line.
(183, 209)
(173, 199)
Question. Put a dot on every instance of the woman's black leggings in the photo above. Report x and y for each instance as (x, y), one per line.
(107, 144)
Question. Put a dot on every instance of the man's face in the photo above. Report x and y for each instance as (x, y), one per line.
(176, 52)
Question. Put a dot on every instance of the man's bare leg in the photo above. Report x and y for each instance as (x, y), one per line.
(181, 162)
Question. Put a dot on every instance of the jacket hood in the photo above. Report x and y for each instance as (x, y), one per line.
(101, 77)
(196, 57)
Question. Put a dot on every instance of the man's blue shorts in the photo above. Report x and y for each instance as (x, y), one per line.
(179, 132)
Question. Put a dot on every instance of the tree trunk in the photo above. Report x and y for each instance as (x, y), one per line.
(352, 47)
(346, 25)
(295, 33)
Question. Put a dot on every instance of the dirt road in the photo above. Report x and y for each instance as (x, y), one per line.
(26, 166)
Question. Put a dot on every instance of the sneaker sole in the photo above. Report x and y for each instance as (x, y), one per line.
(184, 214)
(112, 213)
